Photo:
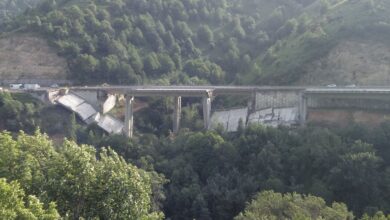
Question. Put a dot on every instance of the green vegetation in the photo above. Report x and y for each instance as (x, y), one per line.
(313, 172)
(12, 204)
(270, 205)
(11, 8)
(310, 36)
(206, 175)
(213, 175)
(198, 41)
(81, 182)
(20, 111)
(165, 42)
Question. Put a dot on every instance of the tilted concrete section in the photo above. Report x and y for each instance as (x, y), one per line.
(229, 119)
(285, 103)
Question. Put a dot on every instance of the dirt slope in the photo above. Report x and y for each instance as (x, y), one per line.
(352, 62)
(27, 58)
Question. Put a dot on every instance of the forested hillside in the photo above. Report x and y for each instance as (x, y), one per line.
(195, 175)
(353, 21)
(12, 8)
(212, 175)
(168, 42)
(199, 41)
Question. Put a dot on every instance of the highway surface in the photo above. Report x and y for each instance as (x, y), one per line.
(200, 91)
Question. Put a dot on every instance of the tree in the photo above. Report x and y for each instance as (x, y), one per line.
(151, 64)
(182, 31)
(238, 31)
(205, 69)
(135, 59)
(82, 183)
(167, 65)
(205, 34)
(271, 205)
(12, 205)
(356, 180)
(87, 65)
(72, 128)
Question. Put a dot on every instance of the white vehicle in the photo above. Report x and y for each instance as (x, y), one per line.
(31, 86)
(15, 86)
(331, 85)
(351, 86)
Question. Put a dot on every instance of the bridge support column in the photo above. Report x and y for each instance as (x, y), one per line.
(128, 128)
(252, 103)
(177, 115)
(302, 108)
(207, 112)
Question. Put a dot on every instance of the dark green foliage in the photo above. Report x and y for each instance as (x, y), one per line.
(212, 176)
(72, 128)
(19, 112)
(84, 183)
(98, 38)
(271, 205)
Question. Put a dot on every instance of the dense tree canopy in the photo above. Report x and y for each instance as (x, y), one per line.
(271, 205)
(212, 175)
(99, 37)
(82, 183)
(13, 205)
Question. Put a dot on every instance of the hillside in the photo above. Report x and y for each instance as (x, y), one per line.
(27, 58)
(345, 44)
(164, 42)
(11, 8)
(215, 42)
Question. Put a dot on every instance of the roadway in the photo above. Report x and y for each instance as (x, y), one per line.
(201, 91)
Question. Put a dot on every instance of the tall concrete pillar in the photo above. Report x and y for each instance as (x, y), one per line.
(128, 127)
(302, 108)
(252, 103)
(177, 115)
(207, 112)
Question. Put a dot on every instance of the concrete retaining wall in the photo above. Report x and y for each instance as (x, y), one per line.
(357, 102)
(276, 99)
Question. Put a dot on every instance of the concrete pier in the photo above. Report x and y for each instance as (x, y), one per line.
(129, 122)
(177, 114)
(302, 108)
(207, 112)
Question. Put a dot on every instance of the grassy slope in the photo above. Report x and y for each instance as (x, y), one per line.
(344, 20)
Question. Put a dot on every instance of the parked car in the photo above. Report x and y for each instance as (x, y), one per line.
(331, 85)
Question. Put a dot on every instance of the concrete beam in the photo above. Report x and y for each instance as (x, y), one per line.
(177, 115)
(129, 126)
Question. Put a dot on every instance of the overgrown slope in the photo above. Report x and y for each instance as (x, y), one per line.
(359, 27)
(165, 42)
(208, 42)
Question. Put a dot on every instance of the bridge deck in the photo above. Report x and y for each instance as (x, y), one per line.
(190, 91)
(200, 91)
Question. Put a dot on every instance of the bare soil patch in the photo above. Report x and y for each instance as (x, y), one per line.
(29, 57)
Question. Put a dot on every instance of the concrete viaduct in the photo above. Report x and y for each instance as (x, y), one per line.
(302, 97)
